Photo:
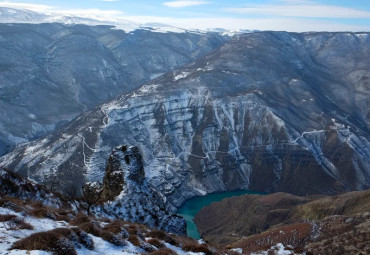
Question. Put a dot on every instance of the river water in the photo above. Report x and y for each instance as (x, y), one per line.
(192, 206)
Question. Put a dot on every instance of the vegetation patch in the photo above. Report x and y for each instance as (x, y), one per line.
(163, 251)
(46, 241)
(17, 224)
(156, 243)
(134, 240)
(79, 219)
(7, 217)
(195, 247)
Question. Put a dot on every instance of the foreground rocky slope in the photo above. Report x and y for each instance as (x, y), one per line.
(126, 194)
(326, 225)
(268, 111)
(50, 73)
(37, 221)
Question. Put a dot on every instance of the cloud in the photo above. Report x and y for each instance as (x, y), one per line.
(235, 24)
(97, 14)
(32, 7)
(181, 4)
(302, 8)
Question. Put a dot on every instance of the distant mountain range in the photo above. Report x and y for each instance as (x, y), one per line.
(269, 111)
(12, 15)
(52, 72)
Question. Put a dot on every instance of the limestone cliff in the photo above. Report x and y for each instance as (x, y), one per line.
(127, 195)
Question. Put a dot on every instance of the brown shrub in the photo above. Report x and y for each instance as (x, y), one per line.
(164, 251)
(194, 247)
(79, 219)
(298, 249)
(156, 243)
(46, 241)
(171, 239)
(115, 227)
(132, 230)
(106, 220)
(134, 240)
(66, 232)
(11, 203)
(35, 204)
(84, 238)
(64, 215)
(91, 228)
(6, 217)
(111, 238)
(16, 224)
(157, 234)
(42, 213)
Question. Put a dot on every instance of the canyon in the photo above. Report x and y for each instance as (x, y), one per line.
(267, 111)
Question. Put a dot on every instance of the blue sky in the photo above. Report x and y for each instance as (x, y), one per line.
(290, 15)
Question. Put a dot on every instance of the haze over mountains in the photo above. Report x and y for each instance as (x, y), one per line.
(269, 111)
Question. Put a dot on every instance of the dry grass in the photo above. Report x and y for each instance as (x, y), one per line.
(6, 217)
(42, 213)
(91, 228)
(116, 227)
(46, 241)
(157, 234)
(134, 240)
(17, 224)
(132, 230)
(63, 215)
(84, 238)
(113, 239)
(195, 247)
(294, 234)
(12, 203)
(79, 219)
(173, 240)
(163, 251)
(156, 243)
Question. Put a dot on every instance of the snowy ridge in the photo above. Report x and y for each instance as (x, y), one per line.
(12, 15)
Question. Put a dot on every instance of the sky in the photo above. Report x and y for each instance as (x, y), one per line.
(287, 15)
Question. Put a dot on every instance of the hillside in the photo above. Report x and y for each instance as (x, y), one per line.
(35, 219)
(52, 72)
(321, 225)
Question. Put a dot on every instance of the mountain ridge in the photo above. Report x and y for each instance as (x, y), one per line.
(221, 123)
(51, 73)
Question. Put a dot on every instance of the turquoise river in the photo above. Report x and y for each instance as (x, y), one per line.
(192, 206)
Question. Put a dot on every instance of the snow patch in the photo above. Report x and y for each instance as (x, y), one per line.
(181, 75)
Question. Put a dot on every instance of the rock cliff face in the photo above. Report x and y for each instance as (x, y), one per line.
(50, 73)
(131, 197)
(268, 111)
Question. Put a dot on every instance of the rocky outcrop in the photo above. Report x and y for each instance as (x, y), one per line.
(267, 111)
(127, 195)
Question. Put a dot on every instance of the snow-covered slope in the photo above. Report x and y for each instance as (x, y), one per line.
(34, 220)
(269, 111)
(129, 196)
(50, 73)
